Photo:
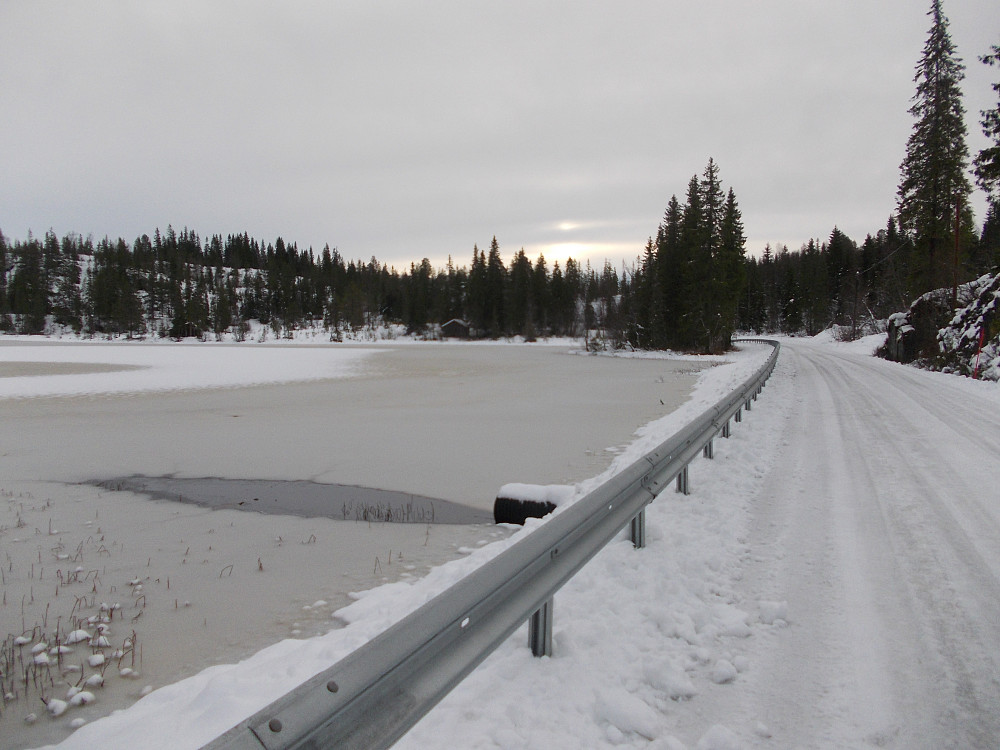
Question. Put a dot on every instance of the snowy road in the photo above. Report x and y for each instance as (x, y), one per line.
(880, 526)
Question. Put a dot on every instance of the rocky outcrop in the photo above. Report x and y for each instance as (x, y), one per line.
(936, 334)
(912, 335)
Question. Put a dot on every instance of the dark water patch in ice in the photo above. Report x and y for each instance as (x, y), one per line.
(339, 502)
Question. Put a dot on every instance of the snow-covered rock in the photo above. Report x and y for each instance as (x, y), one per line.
(963, 340)
(975, 323)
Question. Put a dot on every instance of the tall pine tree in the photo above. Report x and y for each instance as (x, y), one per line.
(731, 267)
(933, 185)
(4, 320)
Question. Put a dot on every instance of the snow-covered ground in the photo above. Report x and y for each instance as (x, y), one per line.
(833, 581)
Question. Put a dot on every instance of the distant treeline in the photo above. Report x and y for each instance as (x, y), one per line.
(176, 285)
(690, 289)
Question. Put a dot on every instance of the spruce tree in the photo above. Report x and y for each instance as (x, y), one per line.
(987, 162)
(556, 296)
(840, 251)
(712, 203)
(65, 286)
(28, 292)
(520, 316)
(494, 312)
(693, 327)
(730, 267)
(813, 279)
(989, 240)
(649, 330)
(671, 266)
(476, 292)
(4, 308)
(933, 185)
(540, 295)
(573, 290)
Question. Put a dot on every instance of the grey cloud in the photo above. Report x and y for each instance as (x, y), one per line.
(407, 130)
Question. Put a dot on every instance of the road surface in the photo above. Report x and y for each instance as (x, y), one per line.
(879, 524)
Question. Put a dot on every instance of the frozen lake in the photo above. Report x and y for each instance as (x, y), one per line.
(445, 421)
(452, 422)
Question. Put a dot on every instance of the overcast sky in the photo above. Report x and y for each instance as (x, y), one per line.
(408, 129)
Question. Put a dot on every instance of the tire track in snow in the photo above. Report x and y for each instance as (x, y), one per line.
(861, 690)
(875, 528)
(966, 439)
(821, 681)
(951, 587)
(904, 647)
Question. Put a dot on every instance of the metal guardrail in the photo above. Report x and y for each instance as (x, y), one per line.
(374, 695)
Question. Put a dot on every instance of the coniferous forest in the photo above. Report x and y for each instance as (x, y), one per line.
(689, 289)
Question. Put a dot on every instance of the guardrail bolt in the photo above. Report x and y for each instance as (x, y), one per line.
(332, 686)
(274, 725)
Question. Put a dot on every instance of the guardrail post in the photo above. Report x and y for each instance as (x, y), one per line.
(540, 630)
(726, 432)
(682, 482)
(739, 415)
(637, 529)
(708, 451)
(749, 402)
